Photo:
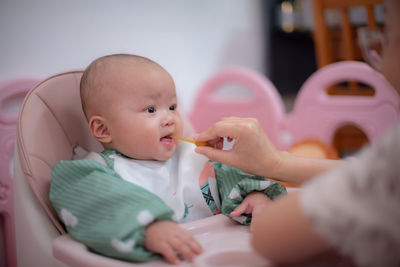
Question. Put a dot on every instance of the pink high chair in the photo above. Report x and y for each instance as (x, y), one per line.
(11, 92)
(50, 125)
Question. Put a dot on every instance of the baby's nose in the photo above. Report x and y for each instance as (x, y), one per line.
(167, 120)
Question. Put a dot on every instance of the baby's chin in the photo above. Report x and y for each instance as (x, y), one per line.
(153, 157)
(156, 156)
(165, 156)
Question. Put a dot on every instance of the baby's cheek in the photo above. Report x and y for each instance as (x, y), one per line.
(180, 126)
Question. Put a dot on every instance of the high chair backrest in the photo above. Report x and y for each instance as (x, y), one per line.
(11, 91)
(323, 36)
(51, 124)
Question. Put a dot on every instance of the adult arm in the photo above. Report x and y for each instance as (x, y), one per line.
(354, 208)
(254, 153)
(283, 235)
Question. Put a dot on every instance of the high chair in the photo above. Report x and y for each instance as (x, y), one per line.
(50, 125)
(11, 92)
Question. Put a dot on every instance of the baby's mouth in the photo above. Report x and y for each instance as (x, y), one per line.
(167, 140)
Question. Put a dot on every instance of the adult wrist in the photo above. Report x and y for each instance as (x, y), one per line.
(278, 171)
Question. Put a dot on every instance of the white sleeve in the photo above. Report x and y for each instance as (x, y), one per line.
(356, 207)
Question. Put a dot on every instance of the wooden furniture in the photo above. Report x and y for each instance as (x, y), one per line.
(323, 34)
(333, 45)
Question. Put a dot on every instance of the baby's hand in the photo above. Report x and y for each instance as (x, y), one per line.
(252, 204)
(169, 239)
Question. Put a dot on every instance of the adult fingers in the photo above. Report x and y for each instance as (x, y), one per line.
(223, 128)
(215, 154)
(242, 208)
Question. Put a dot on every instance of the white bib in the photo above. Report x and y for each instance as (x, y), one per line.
(175, 181)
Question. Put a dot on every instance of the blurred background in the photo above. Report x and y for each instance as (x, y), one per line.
(191, 39)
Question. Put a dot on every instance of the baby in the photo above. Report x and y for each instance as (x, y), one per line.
(125, 201)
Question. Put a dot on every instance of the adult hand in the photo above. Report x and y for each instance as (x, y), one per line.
(169, 239)
(252, 204)
(252, 152)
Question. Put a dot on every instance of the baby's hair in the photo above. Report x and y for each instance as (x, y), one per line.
(94, 71)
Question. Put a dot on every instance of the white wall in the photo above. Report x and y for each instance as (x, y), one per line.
(191, 39)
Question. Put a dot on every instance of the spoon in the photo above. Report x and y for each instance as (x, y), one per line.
(197, 143)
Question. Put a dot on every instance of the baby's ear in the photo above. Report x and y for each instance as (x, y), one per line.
(99, 130)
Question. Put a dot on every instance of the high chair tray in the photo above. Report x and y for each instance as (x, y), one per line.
(224, 242)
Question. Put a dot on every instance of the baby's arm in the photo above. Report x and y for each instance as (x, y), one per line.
(169, 239)
(252, 204)
(234, 186)
(108, 214)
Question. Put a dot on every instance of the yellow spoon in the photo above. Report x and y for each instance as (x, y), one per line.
(197, 143)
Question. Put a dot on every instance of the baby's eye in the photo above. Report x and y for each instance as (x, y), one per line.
(173, 107)
(150, 110)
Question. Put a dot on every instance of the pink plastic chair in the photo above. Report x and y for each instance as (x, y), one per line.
(318, 115)
(10, 92)
(263, 103)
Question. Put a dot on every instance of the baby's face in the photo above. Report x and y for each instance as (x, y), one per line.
(142, 115)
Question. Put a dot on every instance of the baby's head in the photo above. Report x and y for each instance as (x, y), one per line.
(391, 51)
(131, 106)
